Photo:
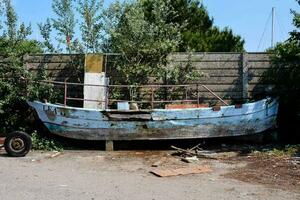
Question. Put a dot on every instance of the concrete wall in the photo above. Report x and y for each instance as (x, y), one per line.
(230, 75)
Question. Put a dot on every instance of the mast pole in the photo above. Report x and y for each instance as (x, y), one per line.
(273, 28)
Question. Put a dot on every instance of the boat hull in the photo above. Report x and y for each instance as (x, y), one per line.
(157, 124)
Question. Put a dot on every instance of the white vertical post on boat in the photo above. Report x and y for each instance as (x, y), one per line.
(94, 96)
(273, 27)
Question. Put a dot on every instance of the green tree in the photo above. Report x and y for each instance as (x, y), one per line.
(91, 14)
(15, 79)
(285, 70)
(45, 31)
(64, 24)
(197, 30)
(144, 44)
(11, 20)
(284, 74)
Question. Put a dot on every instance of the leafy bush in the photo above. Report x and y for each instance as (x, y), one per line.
(284, 74)
(17, 84)
(13, 84)
(44, 143)
(285, 71)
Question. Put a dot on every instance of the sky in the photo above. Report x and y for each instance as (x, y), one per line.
(246, 18)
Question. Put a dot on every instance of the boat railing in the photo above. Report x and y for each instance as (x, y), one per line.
(152, 90)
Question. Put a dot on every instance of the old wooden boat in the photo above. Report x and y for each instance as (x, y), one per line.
(156, 124)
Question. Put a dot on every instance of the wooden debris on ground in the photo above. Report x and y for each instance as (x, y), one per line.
(295, 160)
(55, 154)
(180, 171)
(159, 162)
(189, 154)
(190, 159)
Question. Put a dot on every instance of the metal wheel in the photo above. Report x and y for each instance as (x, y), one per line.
(17, 144)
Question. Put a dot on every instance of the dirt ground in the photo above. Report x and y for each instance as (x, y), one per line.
(126, 175)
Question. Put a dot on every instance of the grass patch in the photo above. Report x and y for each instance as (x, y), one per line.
(286, 151)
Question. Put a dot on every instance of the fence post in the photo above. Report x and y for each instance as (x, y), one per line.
(245, 70)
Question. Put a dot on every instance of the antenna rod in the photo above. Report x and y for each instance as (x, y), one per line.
(273, 18)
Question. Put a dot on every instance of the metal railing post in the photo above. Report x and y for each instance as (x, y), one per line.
(152, 98)
(186, 93)
(65, 95)
(197, 86)
(107, 97)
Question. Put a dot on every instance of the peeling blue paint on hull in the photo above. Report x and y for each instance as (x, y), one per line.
(88, 124)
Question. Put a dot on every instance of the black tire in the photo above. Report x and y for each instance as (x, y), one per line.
(17, 144)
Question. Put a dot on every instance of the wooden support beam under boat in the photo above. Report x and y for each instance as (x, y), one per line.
(109, 145)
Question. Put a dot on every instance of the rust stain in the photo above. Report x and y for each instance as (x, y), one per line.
(64, 112)
(216, 108)
(50, 114)
(2, 139)
(94, 63)
(238, 106)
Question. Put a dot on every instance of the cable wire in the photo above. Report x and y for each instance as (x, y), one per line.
(265, 29)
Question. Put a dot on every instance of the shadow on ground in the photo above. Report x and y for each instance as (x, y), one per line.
(242, 144)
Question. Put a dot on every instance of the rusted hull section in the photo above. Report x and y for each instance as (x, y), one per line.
(159, 124)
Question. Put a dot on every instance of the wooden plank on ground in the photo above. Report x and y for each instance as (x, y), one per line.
(181, 171)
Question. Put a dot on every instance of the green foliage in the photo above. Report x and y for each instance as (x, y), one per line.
(11, 19)
(45, 30)
(91, 13)
(213, 40)
(196, 27)
(188, 17)
(285, 151)
(145, 33)
(64, 24)
(44, 143)
(184, 73)
(144, 44)
(13, 87)
(285, 70)
(284, 74)
(15, 80)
